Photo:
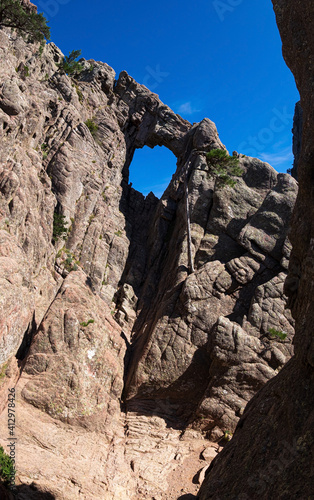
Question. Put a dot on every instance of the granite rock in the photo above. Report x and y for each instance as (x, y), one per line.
(272, 452)
(114, 340)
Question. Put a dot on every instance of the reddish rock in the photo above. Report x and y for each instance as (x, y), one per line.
(121, 348)
(77, 359)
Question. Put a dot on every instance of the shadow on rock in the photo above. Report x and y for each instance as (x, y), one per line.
(30, 492)
(187, 496)
(175, 403)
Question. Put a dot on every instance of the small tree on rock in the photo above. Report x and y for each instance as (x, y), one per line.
(223, 167)
(27, 23)
(69, 64)
(59, 227)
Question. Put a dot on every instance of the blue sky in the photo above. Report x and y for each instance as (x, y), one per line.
(219, 59)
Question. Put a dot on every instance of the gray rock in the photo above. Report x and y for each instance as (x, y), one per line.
(209, 454)
(12, 101)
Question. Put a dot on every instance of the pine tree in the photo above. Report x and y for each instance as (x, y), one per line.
(223, 167)
(27, 23)
(69, 64)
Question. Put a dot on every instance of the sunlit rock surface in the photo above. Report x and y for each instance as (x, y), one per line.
(125, 358)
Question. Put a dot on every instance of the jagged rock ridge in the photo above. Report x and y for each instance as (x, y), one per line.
(110, 318)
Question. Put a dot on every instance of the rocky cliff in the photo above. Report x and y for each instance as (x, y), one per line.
(272, 453)
(297, 137)
(127, 364)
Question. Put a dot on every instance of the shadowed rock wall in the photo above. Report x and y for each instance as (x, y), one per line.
(272, 452)
(297, 138)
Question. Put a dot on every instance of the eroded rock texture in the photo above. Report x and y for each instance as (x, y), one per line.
(272, 452)
(202, 331)
(123, 353)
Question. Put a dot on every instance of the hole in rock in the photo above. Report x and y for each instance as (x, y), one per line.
(152, 169)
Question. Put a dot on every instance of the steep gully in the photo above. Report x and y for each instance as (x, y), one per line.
(112, 312)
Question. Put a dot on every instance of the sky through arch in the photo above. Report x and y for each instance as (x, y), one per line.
(216, 59)
(152, 169)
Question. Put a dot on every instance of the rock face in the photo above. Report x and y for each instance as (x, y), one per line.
(116, 344)
(76, 358)
(195, 340)
(297, 137)
(272, 452)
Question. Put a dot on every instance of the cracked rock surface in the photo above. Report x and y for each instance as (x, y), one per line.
(129, 366)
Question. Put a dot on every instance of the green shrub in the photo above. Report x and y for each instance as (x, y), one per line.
(228, 436)
(23, 70)
(84, 324)
(223, 167)
(92, 126)
(69, 65)
(7, 469)
(41, 48)
(3, 371)
(30, 25)
(278, 334)
(69, 264)
(59, 227)
(45, 149)
(68, 259)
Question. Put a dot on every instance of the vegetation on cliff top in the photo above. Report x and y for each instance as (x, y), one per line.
(223, 167)
(26, 22)
(69, 65)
